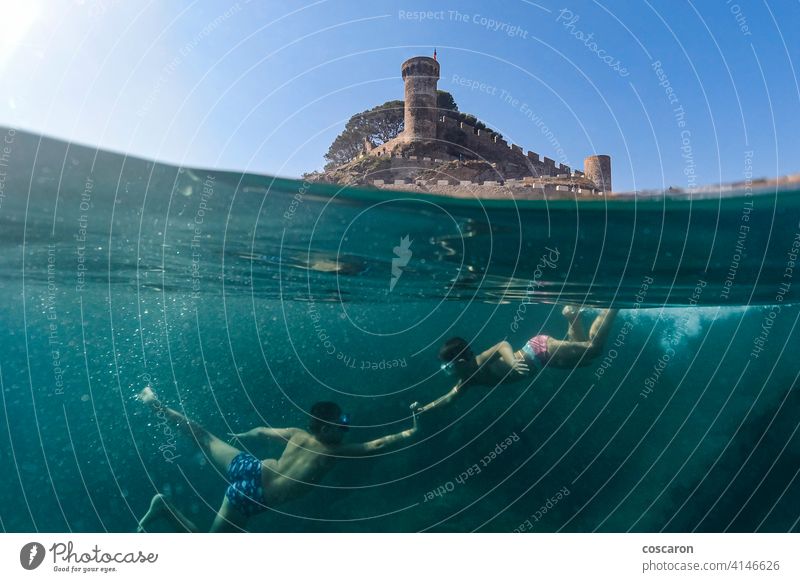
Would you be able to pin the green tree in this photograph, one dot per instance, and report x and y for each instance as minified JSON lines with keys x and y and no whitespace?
{"x":378,"y":125}
{"x":444,"y":100}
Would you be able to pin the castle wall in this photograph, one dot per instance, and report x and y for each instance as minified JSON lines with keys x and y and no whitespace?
{"x":485,"y":144}
{"x":474,"y":143}
{"x":510,"y":189}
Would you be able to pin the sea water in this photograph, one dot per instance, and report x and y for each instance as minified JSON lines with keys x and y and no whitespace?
{"x":243,"y":299}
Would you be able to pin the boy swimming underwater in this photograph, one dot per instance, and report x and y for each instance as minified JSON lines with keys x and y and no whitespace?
{"x":257,"y":485}
{"x":500,"y":364}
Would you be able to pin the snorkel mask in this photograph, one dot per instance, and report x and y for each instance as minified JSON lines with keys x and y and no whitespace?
{"x":344,"y":421}
{"x":448,"y":368}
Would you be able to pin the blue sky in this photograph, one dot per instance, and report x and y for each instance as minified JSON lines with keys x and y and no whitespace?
{"x":678,"y":93}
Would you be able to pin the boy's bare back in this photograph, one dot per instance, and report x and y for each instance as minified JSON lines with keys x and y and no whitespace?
{"x":303,"y":463}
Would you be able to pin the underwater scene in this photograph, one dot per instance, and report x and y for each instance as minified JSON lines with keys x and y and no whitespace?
{"x":242,"y":300}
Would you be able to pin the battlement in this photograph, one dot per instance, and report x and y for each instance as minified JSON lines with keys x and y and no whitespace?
{"x":512,"y":186}
{"x":381,"y":153}
{"x":487,"y":144}
{"x":420,"y":67}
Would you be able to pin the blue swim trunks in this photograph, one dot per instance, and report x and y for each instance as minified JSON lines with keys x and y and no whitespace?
{"x":245,"y":492}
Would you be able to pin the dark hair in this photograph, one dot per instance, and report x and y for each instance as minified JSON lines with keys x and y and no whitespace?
{"x":453,"y":349}
{"x":324,"y":413}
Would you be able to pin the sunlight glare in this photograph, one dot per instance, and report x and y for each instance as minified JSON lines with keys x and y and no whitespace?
{"x":18,"y":17}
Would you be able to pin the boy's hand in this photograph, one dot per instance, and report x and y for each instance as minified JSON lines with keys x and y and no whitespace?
{"x":415,"y":408}
{"x":238,"y":436}
{"x":520,"y":367}
{"x":147,"y":396}
{"x":233,"y":436}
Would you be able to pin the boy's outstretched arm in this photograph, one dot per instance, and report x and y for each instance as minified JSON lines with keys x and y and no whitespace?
{"x":444,"y":400}
{"x":378,"y":445}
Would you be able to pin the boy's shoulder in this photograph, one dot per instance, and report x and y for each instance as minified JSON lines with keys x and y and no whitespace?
{"x":301,"y":434}
{"x":306,"y":440}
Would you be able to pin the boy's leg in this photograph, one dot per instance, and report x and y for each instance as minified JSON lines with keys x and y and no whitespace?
{"x":575,"y":331}
{"x":569,"y":354}
{"x":220,"y":452}
{"x":228,"y":519}
{"x":601,"y":327}
{"x":161,"y":508}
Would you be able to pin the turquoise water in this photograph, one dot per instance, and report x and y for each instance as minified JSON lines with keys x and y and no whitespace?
{"x":244,"y":299}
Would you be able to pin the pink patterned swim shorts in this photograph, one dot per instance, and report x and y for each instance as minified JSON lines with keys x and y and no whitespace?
{"x":536,"y":349}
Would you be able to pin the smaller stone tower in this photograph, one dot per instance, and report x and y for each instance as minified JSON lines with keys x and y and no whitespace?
{"x":420,"y":75}
{"x":598,"y":170}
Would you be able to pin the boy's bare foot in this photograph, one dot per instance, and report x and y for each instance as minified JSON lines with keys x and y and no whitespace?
{"x":158,"y":506}
{"x":147,"y":396}
{"x":571,"y":312}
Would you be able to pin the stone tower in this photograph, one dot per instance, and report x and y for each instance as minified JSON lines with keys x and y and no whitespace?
{"x":420,"y":75}
{"x":598,"y":170}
